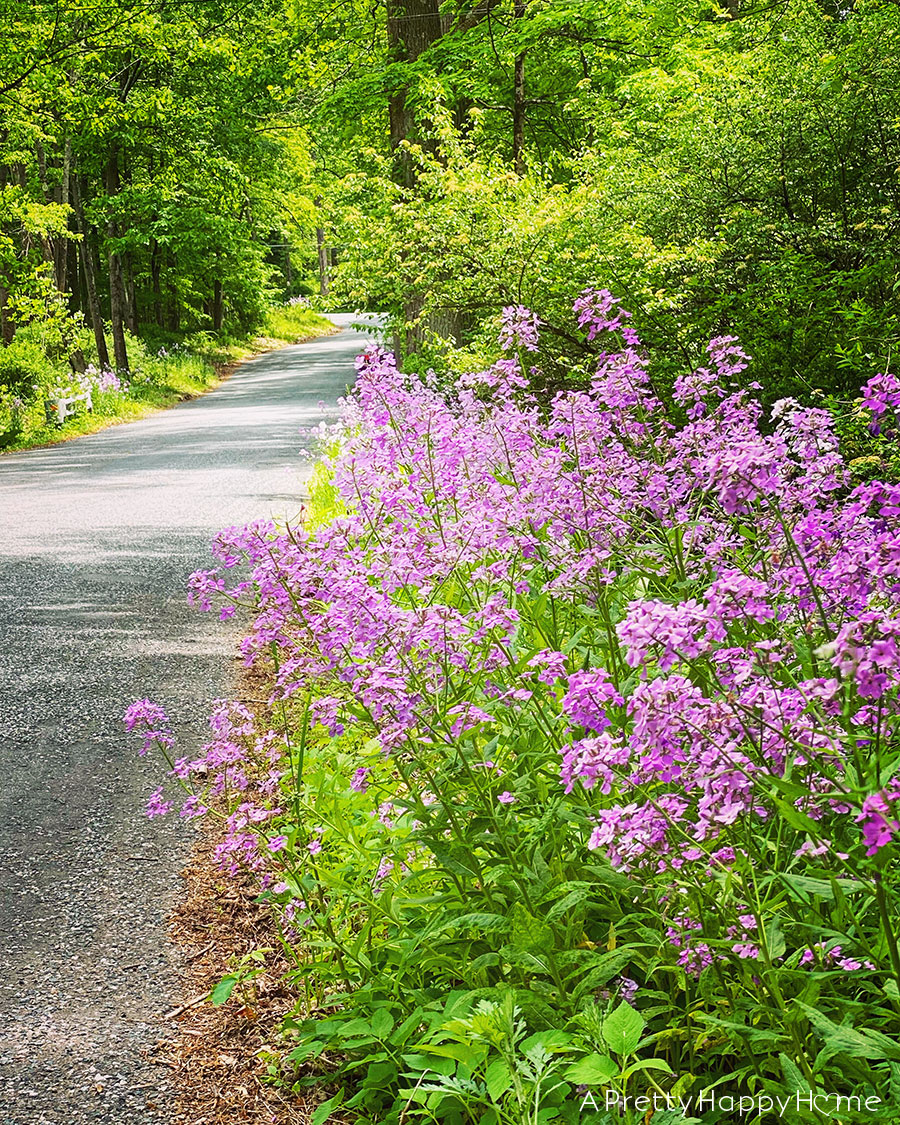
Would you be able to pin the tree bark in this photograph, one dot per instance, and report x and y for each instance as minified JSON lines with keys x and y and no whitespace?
{"x":131,"y":313}
{"x":61,"y":247}
{"x":154,"y":281}
{"x":217,"y":306}
{"x":116,"y":282}
{"x":413,"y":26}
{"x":7,"y":326}
{"x":90,"y":277}
{"x":519,"y":105}
{"x":324,"y":278}
{"x":322,"y":250}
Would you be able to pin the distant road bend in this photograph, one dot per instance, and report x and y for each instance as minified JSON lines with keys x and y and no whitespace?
{"x":97,"y":538}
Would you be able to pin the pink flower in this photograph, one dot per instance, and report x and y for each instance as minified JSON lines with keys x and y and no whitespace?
{"x":877,"y":819}
{"x":157,"y":806}
{"x":359,"y":782}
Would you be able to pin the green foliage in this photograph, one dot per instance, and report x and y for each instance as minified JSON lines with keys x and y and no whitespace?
{"x":165,"y":371}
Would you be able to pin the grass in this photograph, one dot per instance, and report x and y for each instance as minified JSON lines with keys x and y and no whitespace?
{"x":163,"y":378}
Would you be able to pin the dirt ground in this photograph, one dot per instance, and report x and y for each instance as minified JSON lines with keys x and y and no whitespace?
{"x":214,"y":1051}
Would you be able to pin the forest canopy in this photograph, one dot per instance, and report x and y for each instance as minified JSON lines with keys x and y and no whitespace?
{"x":168,"y":167}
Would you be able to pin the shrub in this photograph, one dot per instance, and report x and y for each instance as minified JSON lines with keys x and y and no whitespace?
{"x":584,"y":748}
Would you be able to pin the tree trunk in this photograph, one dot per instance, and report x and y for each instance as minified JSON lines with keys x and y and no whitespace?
{"x":154,"y":281}
{"x":90,"y":277}
{"x":413,"y":26}
{"x":61,"y":248}
{"x":116,"y":282}
{"x":46,"y":245}
{"x":131,"y":313}
{"x":173,"y":318}
{"x":7,"y":327}
{"x":519,"y":105}
{"x":217,"y":306}
{"x":324,"y":280}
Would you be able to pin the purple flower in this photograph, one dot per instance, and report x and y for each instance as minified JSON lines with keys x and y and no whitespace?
{"x":157,"y":806}
{"x":153,"y":722}
{"x":587,"y":695}
{"x":878,"y":822}
{"x":359,"y":782}
{"x":506,"y":798}
{"x":519,"y":328}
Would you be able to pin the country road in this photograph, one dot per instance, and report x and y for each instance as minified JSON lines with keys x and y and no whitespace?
{"x":97,"y":537}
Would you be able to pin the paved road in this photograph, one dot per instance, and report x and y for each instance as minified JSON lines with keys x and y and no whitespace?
{"x":97,"y":537}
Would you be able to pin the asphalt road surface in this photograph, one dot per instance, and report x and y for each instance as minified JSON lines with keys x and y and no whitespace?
{"x":97,"y":538}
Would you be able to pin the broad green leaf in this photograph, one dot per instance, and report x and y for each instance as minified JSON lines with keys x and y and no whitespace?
{"x":498,"y":1078}
{"x":594,"y":1069}
{"x":223,"y":989}
{"x":382,"y":1023}
{"x":622,"y":1029}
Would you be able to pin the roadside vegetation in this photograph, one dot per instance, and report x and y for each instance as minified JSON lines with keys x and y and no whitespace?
{"x":579,"y":774}
{"x":37,"y":375}
{"x":579,"y":770}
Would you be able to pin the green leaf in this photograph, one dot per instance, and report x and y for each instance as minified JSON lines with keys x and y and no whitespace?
{"x":484,"y":923}
{"x":793,"y":1079}
{"x":529,"y":933}
{"x":622,"y":1030}
{"x":223,"y":989}
{"x":775,"y":939}
{"x":592,"y":1070}
{"x":551,"y":1040}
{"x":846,"y":1040}
{"x":380,"y":1073}
{"x":469,"y":1054}
{"x":323,"y":1112}
{"x":382,"y":1024}
{"x":647,"y":1064}
{"x":498,"y":1078}
{"x":604,"y":968}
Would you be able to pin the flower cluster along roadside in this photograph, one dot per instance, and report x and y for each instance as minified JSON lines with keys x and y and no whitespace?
{"x":579,"y":770}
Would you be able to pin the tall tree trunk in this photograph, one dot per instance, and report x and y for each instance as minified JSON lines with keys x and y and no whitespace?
{"x":174,"y":312}
{"x":324,"y":279}
{"x":116,"y":283}
{"x":131,"y":313}
{"x":88,"y":272}
{"x":322,"y":250}
{"x":519,"y":105}
{"x":61,"y":247}
{"x":46,"y":246}
{"x":413,"y":26}
{"x":7,"y":326}
{"x":217,"y":306}
{"x":155,"y":283}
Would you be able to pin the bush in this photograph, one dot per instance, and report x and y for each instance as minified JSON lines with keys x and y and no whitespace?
{"x":23,"y":368}
{"x":584,"y":748}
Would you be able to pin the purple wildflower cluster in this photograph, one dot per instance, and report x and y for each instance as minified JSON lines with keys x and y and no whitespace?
{"x":518,"y":329}
{"x":691,"y":606}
